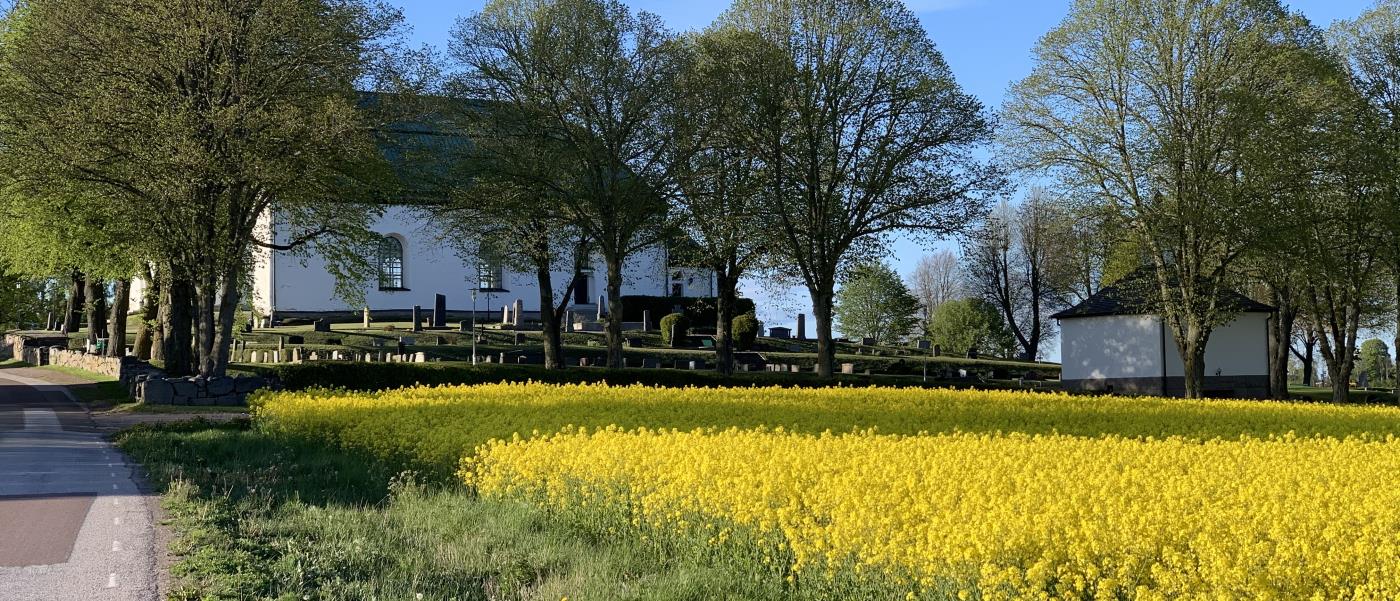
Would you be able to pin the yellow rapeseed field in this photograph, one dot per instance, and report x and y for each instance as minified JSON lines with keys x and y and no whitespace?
{"x":973,"y":494}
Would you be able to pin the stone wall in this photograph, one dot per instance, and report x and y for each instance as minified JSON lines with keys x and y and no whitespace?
{"x":228,"y":392}
{"x":107,"y":366}
{"x":30,"y":347}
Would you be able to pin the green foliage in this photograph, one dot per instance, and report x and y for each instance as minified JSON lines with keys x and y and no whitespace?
{"x":965,"y":323}
{"x":745,"y":330}
{"x":874,"y":302}
{"x":701,"y":310}
{"x":1375,"y":362}
{"x":677,"y":323}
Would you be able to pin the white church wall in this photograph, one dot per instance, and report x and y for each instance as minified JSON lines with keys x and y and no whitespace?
{"x":432,"y":266}
{"x":1110,"y":346}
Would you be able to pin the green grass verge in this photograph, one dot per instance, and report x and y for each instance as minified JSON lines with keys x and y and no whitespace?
{"x":259,"y":516}
{"x":78,"y":373}
{"x":1321,"y":393}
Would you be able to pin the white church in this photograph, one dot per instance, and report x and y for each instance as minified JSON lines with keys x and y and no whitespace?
{"x":1112,"y":342}
{"x":414,"y":266}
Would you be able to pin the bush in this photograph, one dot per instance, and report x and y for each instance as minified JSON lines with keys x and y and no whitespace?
{"x":744,"y":329}
{"x":675,"y":322}
{"x":700,"y":310}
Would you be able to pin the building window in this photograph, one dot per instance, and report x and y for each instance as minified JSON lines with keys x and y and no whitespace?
{"x":490,"y":275}
{"x":391,"y":263}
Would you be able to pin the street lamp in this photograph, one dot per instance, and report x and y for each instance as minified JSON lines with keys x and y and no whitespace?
{"x":488,"y":282}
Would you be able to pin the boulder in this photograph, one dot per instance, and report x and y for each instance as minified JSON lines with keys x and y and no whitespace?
{"x":157,"y":391}
{"x":220,"y":386}
{"x":184,"y":388}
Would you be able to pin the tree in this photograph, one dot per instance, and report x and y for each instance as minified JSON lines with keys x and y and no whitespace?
{"x":1137,"y":104}
{"x":873,"y":302}
{"x":937,"y":279}
{"x":718,"y":184}
{"x":1305,"y":336}
{"x":1012,"y":262}
{"x":1374,"y":361}
{"x":968,"y":323}
{"x":600,"y":79}
{"x":1371,"y":46}
{"x":862,"y":131}
{"x":190,"y":123}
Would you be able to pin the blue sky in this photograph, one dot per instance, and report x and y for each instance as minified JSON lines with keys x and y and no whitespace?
{"x":987,"y":44}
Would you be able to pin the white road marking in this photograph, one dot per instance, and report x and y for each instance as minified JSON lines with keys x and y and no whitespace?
{"x":112,"y":580}
{"x":116,"y":546}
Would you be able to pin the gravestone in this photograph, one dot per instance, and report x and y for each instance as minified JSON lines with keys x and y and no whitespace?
{"x":464,"y":326}
{"x":407,"y":341}
{"x":417,"y":318}
{"x":420,"y":357}
{"x":848,"y":368}
{"x":937,"y":350}
{"x":646,"y":320}
{"x":505,"y":314}
{"x":321,"y":325}
{"x":365,"y":324}
{"x":248,"y":327}
{"x":780,"y":333}
{"x":801,"y":326}
{"x":867,"y":341}
{"x":601,"y":300}
{"x":439,"y":311}
{"x":519,"y":338}
{"x":972,"y":353}
{"x":515,"y":312}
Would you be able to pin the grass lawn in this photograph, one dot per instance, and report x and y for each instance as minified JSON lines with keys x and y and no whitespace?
{"x":100,"y":389}
{"x":1323,"y":393}
{"x":261,"y":516}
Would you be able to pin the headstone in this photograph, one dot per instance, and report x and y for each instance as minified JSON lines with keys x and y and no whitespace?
{"x":848,"y":368}
{"x":801,"y":326}
{"x":417,"y":318}
{"x":464,"y":326}
{"x":972,"y":353}
{"x":247,"y":327}
{"x":439,"y":311}
{"x":515,"y":312}
{"x":923,"y":345}
{"x":321,"y":325}
{"x":420,"y":357}
{"x":646,"y":320}
{"x":601,"y":303}
{"x":365,"y":324}
{"x":867,"y":341}
{"x":505,"y":314}
{"x":583,"y":361}
{"x":780,"y":332}
{"x":519,"y":338}
{"x":796,"y":369}
{"x":937,"y":350}
{"x":503,"y":358}
{"x":281,"y":343}
{"x":407,"y":341}
{"x":649,"y":362}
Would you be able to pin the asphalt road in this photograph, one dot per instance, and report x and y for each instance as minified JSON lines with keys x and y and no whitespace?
{"x":73,"y":523}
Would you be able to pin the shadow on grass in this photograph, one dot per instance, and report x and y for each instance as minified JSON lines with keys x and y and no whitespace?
{"x":262,"y":516}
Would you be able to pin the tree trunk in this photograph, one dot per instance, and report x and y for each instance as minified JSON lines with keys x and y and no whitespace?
{"x":724,"y":330}
{"x":116,"y":327}
{"x":549,"y":319}
{"x":150,"y":312}
{"x":1396,"y":346}
{"x":74,"y":315}
{"x":223,"y":333}
{"x":95,"y":305}
{"x":614,"y":312}
{"x":1191,"y":344}
{"x":206,"y":325}
{"x":1280,"y":342}
{"x":1339,"y":371}
{"x":823,"y":300}
{"x":176,"y":348}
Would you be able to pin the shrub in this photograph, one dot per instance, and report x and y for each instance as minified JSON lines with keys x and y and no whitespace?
{"x":744,"y":329}
{"x":675,"y":322}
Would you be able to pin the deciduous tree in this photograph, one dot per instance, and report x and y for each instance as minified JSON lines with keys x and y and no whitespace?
{"x":863,"y":132}
{"x":873,"y":302}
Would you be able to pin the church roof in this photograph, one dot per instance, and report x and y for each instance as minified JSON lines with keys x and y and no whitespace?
{"x":1136,"y":294}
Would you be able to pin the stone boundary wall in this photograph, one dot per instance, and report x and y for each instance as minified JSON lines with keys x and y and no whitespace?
{"x":224,"y":392}
{"x":32,"y":348}
{"x":107,"y":366}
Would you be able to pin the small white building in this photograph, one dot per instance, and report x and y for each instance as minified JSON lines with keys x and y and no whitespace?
{"x":1109,"y":343}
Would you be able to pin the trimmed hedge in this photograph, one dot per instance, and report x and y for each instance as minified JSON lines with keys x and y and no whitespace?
{"x":677,"y":322}
{"x":385,"y":376}
{"x":700,"y":309}
{"x":744,"y":329}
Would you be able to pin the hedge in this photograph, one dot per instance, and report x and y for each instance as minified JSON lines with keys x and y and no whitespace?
{"x":382,"y":376}
{"x":700,"y":309}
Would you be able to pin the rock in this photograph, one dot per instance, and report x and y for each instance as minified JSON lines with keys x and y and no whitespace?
{"x":220,"y":386}
{"x":157,"y":391}
{"x":184,"y":388}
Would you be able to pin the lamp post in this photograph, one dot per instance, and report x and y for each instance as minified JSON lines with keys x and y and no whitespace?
{"x":473,"y":326}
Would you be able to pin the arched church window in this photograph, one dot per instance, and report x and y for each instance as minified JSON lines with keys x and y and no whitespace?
{"x":390,"y":263}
